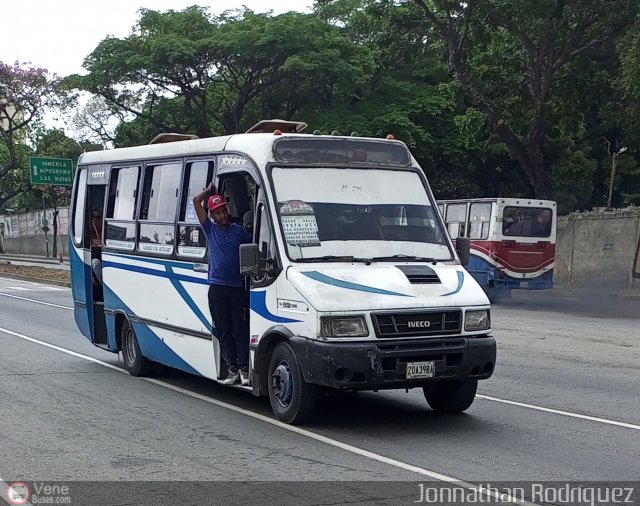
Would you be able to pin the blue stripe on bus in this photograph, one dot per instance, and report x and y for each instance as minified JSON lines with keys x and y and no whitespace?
{"x":460,"y":283}
{"x":187,"y":298}
{"x":151,"y":345}
{"x":155,"y":272}
{"x":323,"y":278}
{"x":259,"y":305}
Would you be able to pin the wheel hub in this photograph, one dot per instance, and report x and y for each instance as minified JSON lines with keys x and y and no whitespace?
{"x":282,"y":384}
{"x":130,"y":346}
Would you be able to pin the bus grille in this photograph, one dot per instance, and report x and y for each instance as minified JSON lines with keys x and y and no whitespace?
{"x":417,"y":324}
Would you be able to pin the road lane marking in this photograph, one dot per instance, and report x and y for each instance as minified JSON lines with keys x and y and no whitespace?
{"x":489,"y":492}
{"x":560,"y":412}
{"x":35,"y":301}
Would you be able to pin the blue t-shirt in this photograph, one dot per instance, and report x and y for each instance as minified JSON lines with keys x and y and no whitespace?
{"x":224,"y":252}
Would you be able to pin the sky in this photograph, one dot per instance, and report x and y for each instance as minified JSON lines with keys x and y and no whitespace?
{"x":58,"y":34}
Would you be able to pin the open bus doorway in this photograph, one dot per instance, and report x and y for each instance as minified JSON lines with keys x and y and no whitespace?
{"x":94,"y":241}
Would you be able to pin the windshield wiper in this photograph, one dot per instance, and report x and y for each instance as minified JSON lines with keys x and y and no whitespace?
{"x":337,"y":258}
{"x":411,"y":258}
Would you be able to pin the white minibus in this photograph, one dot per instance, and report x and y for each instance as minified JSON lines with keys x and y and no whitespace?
{"x":353,"y":282}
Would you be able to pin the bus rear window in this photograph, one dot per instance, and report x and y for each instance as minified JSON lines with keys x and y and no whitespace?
{"x":339,"y":150}
{"x":527,"y":221}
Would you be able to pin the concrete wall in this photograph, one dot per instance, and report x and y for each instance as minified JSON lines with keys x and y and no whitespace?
{"x":598,"y":248}
{"x":24,"y":234}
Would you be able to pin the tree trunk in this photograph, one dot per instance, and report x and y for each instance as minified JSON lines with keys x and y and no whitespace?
{"x":55,"y":233}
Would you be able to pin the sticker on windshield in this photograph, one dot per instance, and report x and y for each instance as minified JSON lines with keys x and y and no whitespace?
{"x":299,"y":223}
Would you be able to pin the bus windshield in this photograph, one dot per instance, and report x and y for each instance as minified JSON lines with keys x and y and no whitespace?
{"x":343,"y":214}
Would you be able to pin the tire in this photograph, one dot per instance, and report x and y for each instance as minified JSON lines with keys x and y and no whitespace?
{"x":451,"y":396}
{"x":292,"y":399}
{"x":134,"y":361}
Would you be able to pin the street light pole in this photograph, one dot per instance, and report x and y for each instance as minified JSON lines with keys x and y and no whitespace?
{"x":614,"y":163}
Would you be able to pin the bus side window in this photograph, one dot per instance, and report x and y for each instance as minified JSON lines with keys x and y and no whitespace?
{"x":158,"y":209}
{"x":265,"y":236}
{"x":479,"y":220}
{"x":191,"y":240}
{"x":121,"y":204}
{"x":456,"y":220}
{"x":266,"y":247}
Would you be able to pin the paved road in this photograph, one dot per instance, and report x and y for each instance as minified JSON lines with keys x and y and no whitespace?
{"x":63,"y":417}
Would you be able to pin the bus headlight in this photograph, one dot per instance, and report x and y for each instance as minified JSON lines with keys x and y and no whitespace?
{"x":343,"y":326}
{"x":477,"y":320}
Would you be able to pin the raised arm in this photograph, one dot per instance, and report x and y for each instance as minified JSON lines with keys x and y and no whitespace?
{"x":201,"y":210}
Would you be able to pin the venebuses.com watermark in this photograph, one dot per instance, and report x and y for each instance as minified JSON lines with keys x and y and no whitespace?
{"x":21,"y":493}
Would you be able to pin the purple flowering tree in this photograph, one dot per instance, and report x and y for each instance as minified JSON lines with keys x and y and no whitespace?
{"x":26,"y":92}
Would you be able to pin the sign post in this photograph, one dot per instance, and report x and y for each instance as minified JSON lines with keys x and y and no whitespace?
{"x":51,"y":171}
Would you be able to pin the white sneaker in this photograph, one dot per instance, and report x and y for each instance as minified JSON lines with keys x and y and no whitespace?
{"x":233,"y":377}
{"x":244,"y":376}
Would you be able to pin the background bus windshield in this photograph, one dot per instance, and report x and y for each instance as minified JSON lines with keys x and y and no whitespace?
{"x":356,"y":213}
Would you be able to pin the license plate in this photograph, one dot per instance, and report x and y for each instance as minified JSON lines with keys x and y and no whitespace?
{"x":417,"y":370}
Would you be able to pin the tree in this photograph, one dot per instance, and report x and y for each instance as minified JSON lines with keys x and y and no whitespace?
{"x":190,"y":72}
{"x":94,"y":122}
{"x":25,"y":93}
{"x":508,"y":54}
{"x":167,"y":55}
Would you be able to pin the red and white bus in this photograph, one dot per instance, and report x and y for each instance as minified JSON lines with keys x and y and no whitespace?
{"x":513,"y":241}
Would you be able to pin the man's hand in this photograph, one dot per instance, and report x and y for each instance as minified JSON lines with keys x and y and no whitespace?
{"x":211,"y":189}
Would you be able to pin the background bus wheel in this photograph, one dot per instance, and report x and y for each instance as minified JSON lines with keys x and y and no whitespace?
{"x":451,"y":396}
{"x":292,"y":399}
{"x":136,"y":364}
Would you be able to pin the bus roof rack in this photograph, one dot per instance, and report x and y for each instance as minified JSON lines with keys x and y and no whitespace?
{"x":271,"y":125}
{"x":171,"y":137}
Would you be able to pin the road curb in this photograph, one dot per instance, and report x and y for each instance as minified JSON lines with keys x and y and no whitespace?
{"x":35,"y":280}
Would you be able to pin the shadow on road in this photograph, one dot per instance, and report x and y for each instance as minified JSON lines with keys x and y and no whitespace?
{"x":364,"y":412}
{"x":598,"y":301}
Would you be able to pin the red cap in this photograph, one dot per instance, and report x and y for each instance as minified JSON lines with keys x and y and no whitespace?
{"x":216,"y":201}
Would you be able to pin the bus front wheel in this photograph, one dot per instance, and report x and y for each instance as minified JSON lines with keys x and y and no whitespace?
{"x":451,"y":396}
{"x":292,"y":399}
{"x":134,"y":361}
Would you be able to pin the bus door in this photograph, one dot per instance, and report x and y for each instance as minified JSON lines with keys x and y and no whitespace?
{"x":88,"y":291}
{"x":238,"y":184}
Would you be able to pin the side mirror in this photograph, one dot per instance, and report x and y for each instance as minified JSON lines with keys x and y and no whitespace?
{"x":463,"y":249}
{"x":249,"y":259}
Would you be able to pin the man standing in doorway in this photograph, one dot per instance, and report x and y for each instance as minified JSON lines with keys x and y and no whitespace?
{"x":227,"y":298}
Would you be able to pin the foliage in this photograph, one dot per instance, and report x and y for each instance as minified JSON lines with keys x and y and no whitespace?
{"x":509,"y":56}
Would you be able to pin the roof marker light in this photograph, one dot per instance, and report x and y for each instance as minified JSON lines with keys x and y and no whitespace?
{"x":317,"y":132}
{"x":277,"y":132}
{"x":391,"y":137}
{"x":355,"y":134}
{"x":335,"y":132}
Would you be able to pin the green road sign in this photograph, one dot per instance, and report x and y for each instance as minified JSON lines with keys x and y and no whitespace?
{"x":52,"y":171}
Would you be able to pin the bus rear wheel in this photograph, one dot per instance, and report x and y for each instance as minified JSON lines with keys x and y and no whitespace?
{"x":134,"y":361}
{"x":451,"y":396}
{"x":292,"y":399}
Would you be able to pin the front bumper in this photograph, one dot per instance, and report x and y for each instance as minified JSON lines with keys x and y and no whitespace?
{"x":382,"y":364}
